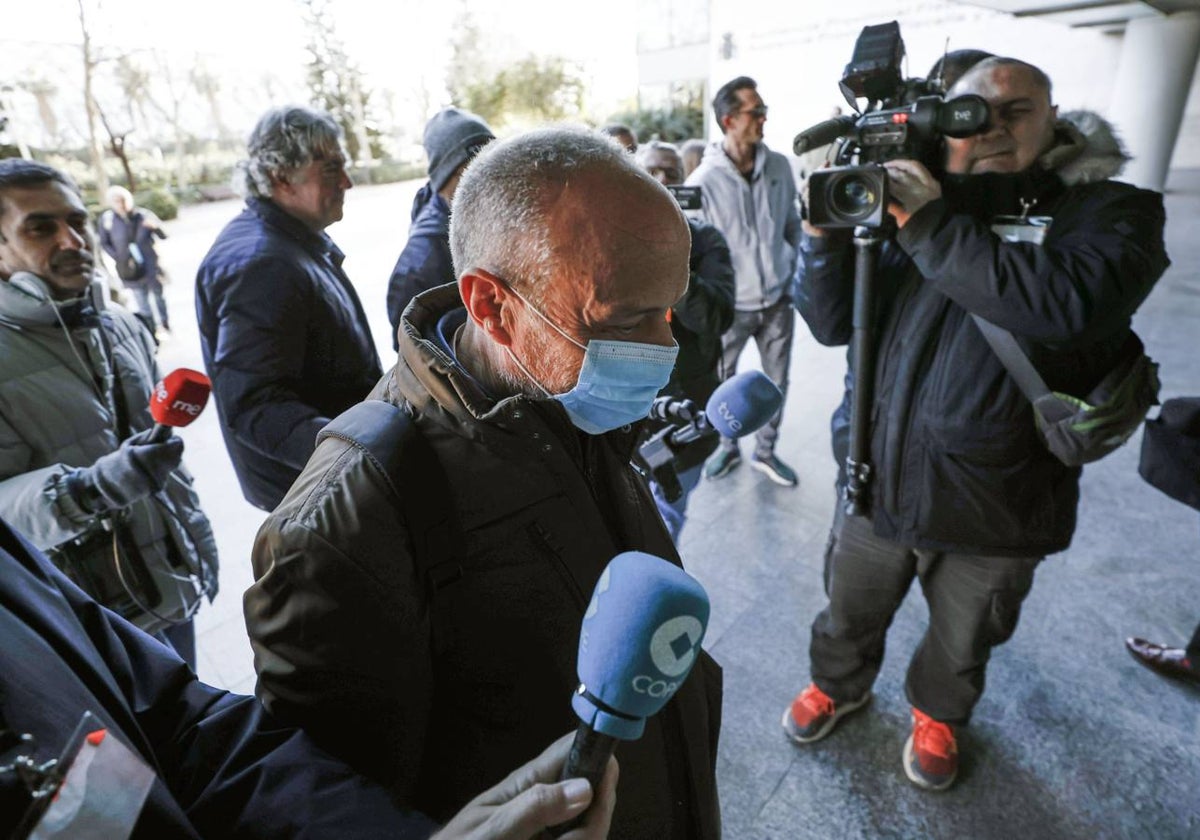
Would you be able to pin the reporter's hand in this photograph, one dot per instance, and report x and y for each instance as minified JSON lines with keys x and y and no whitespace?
{"x":911,"y":186}
{"x":132,"y":472}
{"x":810,"y":229}
{"x":530,"y":800}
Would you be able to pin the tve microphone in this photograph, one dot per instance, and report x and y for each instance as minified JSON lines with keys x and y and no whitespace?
{"x":741,"y":404}
{"x":641,"y":635}
{"x":178,"y":400}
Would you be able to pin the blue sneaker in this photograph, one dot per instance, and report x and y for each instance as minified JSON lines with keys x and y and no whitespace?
{"x":722,"y":463}
{"x":774,"y":469}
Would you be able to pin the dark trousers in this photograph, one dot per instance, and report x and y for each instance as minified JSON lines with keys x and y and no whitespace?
{"x":772,"y":330}
{"x":147,"y":290}
{"x":974,"y":603}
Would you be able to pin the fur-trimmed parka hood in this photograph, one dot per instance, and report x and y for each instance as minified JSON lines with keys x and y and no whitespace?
{"x":1086,"y":149}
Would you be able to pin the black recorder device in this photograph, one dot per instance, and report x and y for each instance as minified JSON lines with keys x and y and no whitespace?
{"x":688,"y":197}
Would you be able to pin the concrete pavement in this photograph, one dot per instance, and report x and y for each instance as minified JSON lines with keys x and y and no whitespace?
{"x":1072,"y":739}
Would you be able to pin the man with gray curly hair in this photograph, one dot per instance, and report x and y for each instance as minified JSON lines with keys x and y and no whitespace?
{"x":420,"y":590}
{"x":284,"y":336}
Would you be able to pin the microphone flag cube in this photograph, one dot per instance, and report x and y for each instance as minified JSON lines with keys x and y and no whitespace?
{"x":180,"y":397}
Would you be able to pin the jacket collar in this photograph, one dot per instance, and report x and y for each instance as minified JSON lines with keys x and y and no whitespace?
{"x":433,"y":382}
{"x":28,"y":303}
{"x":275,"y":216}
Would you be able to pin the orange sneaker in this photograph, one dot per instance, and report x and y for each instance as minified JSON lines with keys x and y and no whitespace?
{"x":931,"y":753}
{"x":813,"y":714}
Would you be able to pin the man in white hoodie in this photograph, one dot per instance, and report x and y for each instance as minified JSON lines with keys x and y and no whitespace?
{"x":749,"y":194}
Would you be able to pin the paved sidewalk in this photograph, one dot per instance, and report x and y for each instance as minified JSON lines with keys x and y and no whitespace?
{"x":1072,"y":739}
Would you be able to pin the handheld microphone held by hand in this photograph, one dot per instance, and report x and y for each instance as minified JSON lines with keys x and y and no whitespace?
{"x":177,"y":400}
{"x":740,"y":405}
{"x":641,"y":635}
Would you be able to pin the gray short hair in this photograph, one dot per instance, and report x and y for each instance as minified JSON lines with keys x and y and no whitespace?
{"x":499,"y":222}
{"x":650,"y":146}
{"x":284,"y":140}
{"x":991,"y":63}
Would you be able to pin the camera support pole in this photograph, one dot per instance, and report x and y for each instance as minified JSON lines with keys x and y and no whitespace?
{"x":867,"y":241}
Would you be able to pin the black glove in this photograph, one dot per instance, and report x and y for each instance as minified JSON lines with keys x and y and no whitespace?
{"x":133,"y":472}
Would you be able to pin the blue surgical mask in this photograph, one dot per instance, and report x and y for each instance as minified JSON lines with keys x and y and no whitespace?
{"x":617,"y":383}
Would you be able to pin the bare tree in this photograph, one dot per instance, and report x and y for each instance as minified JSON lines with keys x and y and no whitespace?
{"x":6,"y":121}
{"x":209,"y":86}
{"x":116,"y":142}
{"x":43,"y":92}
{"x":173,"y":114}
{"x":134,"y":81}
{"x":335,"y":81}
{"x":89,"y":102}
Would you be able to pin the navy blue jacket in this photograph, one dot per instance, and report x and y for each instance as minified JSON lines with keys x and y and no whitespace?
{"x":117,"y":233}
{"x":425,"y":261}
{"x":958,"y":465}
{"x":285,"y":341}
{"x":225,"y":768}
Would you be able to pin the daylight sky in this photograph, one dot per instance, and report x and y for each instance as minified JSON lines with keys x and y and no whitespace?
{"x":396,"y":41}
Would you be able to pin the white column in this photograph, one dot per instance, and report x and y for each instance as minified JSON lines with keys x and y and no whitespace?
{"x":1158,"y":61}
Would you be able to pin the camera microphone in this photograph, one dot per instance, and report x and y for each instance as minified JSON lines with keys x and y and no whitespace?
{"x":641,"y":635}
{"x":822,"y":134}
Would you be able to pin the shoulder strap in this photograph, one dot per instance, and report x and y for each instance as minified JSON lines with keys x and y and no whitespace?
{"x":1006,"y":348}
{"x":388,"y":437}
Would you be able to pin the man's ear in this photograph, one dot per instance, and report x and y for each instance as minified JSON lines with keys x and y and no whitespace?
{"x":489,"y":303}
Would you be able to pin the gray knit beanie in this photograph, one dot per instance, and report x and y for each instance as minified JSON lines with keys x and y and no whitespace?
{"x":452,"y":138}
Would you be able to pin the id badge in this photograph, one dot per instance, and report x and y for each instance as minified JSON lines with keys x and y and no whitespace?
{"x":1022,"y":228}
{"x":104,"y":786}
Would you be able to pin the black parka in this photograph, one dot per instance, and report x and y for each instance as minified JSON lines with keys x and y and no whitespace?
{"x":958,"y":465}
{"x":439,"y":670}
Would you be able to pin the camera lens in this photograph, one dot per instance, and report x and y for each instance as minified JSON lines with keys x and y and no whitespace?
{"x":853,"y":196}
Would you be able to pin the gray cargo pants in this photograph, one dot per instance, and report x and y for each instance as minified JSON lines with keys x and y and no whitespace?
{"x":974,"y":603}
{"x":772,"y":330}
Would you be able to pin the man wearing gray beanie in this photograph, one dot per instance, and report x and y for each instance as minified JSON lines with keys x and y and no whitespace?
{"x":452,"y":138}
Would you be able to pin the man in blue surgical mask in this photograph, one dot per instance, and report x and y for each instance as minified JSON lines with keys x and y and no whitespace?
{"x":421,"y":587}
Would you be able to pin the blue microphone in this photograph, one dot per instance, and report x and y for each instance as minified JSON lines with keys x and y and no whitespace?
{"x":741,"y":404}
{"x":641,"y":635}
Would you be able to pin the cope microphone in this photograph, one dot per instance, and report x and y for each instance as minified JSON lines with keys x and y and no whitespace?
{"x":177,"y":400}
{"x":641,"y":635}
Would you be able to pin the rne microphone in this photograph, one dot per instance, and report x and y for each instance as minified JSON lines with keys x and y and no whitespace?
{"x":641,"y":635}
{"x":177,"y":400}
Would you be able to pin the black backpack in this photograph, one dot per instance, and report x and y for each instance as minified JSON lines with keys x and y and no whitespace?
{"x":386,"y":435}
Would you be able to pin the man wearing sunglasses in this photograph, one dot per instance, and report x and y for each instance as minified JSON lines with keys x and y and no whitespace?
{"x":750,"y":197}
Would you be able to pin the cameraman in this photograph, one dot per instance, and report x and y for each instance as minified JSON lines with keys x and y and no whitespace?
{"x":697,"y":322}
{"x":963,"y":494}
